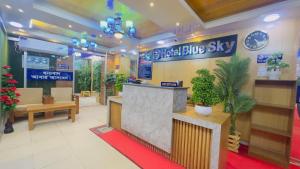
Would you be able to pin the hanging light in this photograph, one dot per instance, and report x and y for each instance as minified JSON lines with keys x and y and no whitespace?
{"x":118,"y":35}
{"x":113,"y":26}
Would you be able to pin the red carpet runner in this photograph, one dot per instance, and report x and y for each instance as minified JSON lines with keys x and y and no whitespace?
{"x":147,"y":159}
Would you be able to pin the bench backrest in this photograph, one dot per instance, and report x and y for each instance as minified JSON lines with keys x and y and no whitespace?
{"x":30,"y":96}
{"x":62,"y":94}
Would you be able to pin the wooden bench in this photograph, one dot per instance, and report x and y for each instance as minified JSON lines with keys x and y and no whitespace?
{"x":50,"y":107}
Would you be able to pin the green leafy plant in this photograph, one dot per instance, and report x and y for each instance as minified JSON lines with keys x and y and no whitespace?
{"x":110,"y":79}
{"x":232,"y":76}
{"x":120,"y":80}
{"x":97,"y":76}
{"x":275,"y":63}
{"x":204,"y":92}
{"x":83,"y":76}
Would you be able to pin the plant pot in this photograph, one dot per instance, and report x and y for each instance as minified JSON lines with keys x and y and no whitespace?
{"x":234,"y":142}
{"x":203,"y":110}
{"x":8,"y":127}
{"x":274,"y":74}
{"x":120,"y":94}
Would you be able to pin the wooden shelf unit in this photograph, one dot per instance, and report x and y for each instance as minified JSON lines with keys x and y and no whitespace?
{"x":271,"y":120}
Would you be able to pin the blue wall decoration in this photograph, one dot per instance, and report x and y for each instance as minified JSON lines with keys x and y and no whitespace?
{"x":262,"y":58}
{"x":210,"y":48}
{"x":47,"y":75}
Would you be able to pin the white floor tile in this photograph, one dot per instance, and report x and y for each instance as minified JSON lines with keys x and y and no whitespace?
{"x":60,"y":144}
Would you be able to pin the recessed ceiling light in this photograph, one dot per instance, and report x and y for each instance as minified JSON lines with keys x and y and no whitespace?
{"x":160,"y":42}
{"x":151,"y":4}
{"x":134,"y":52}
{"x":22,"y":30}
{"x":70,"y":26}
{"x":177,"y":24}
{"x":30,"y":23}
{"x":123,"y":50}
{"x":271,"y":18}
{"x":21,"y":10}
{"x":100,"y":35}
{"x":85,"y":49}
{"x":16,"y":24}
{"x":14,"y":32}
{"x":8,"y":6}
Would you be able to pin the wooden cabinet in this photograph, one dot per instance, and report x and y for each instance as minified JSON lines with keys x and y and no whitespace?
{"x":271,"y":120}
{"x":115,"y":115}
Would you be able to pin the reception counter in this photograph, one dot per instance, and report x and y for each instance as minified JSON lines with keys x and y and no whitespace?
{"x":160,"y":117}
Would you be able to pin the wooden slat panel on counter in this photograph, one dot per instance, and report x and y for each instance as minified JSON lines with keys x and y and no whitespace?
{"x":191,"y":145}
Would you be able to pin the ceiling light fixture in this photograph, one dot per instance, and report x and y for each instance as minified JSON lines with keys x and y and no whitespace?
{"x":151,"y":4}
{"x":70,"y":26}
{"x":21,"y":10}
{"x":113,"y":26}
{"x":123,"y":50}
{"x":271,"y":18}
{"x":118,"y":35}
{"x":22,"y":30}
{"x":100,"y":36}
{"x":160,"y":42}
{"x":8,"y":6}
{"x":16,"y":24}
{"x":84,"y":49}
{"x":177,"y":24}
{"x":30,"y":23}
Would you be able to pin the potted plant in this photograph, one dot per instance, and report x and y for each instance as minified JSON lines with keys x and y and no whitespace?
{"x":110,"y":81}
{"x":120,"y":80}
{"x":275,"y":65}
{"x":204,"y":93}
{"x":232,"y":76}
{"x":8,"y":97}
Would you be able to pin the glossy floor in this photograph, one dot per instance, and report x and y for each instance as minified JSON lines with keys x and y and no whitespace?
{"x":60,"y":144}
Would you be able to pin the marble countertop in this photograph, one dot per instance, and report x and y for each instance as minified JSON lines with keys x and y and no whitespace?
{"x":154,"y":86}
{"x":117,"y":99}
{"x":190,"y":116}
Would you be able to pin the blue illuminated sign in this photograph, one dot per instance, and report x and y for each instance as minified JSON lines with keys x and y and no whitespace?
{"x":47,"y":75}
{"x":210,"y":48}
{"x":217,"y":47}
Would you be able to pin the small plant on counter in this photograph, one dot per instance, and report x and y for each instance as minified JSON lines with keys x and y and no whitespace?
{"x":204,"y":93}
{"x":275,"y":65}
{"x":232,"y":76}
{"x":120,"y":80}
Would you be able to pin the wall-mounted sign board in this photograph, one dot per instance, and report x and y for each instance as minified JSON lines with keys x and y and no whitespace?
{"x":210,"y":48}
{"x":37,"y":62}
{"x":47,"y":75}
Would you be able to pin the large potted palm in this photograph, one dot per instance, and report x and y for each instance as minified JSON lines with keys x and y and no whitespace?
{"x":231,"y":77}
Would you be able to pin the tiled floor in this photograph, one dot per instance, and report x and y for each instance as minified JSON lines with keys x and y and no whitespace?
{"x":60,"y":144}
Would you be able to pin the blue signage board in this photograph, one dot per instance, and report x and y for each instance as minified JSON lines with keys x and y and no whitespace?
{"x":262,"y":58}
{"x":47,"y":75}
{"x":145,"y":69}
{"x":210,"y":48}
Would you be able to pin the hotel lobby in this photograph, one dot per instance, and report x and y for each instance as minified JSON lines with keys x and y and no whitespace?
{"x":150,"y":84}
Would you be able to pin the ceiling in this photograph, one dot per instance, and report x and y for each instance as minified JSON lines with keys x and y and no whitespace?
{"x":216,"y":9}
{"x":169,"y":20}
